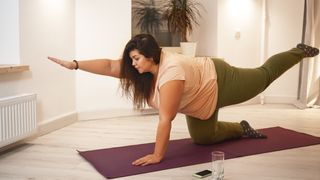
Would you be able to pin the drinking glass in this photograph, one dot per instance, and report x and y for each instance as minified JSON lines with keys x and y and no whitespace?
{"x":217,"y":165}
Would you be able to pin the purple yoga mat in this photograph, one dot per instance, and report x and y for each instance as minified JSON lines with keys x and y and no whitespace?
{"x":116,"y":162}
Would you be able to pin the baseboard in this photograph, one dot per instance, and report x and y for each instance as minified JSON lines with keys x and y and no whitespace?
{"x":255,"y":100}
{"x":113,"y":113}
{"x":58,"y":122}
{"x":279,"y":99}
{"x":263,"y":99}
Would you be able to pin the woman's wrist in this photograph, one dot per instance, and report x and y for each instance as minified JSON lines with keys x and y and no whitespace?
{"x":76,"y":67}
{"x":159,"y":155}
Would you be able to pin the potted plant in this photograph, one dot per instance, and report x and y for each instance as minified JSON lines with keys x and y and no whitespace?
{"x":182,"y":15}
{"x":149,"y":17}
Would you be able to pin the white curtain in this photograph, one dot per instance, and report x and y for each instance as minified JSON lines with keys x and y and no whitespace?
{"x":309,"y":87}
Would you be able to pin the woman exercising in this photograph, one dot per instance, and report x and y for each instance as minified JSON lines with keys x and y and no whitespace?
{"x":197,"y":87}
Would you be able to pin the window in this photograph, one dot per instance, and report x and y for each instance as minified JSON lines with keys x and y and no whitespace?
{"x":9,"y":32}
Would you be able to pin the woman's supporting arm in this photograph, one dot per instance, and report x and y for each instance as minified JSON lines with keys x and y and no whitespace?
{"x":105,"y":67}
{"x":170,"y":96}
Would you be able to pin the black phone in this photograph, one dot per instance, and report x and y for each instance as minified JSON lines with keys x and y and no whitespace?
{"x":202,"y":174}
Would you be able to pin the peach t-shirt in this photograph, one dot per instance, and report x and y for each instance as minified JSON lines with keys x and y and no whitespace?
{"x":200,"y":93}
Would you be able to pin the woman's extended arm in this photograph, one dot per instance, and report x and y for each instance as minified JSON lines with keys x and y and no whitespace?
{"x":97,"y":66}
{"x":170,"y":96}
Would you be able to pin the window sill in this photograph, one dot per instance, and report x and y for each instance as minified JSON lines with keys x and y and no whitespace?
{"x":6,"y":69}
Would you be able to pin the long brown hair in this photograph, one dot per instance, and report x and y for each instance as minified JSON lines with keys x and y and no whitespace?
{"x":135,"y":85}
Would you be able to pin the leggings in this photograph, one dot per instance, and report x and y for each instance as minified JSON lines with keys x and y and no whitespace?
{"x":236,"y":85}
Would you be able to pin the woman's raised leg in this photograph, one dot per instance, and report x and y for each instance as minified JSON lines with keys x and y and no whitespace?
{"x":236,"y":85}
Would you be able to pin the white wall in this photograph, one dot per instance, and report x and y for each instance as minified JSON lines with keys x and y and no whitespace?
{"x":285,"y":31}
{"x":46,"y":29}
{"x":244,"y":17}
{"x":102,"y":30}
{"x":206,"y":35}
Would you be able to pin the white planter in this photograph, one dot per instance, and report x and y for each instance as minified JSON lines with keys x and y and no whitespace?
{"x":188,"y":48}
{"x":172,"y":49}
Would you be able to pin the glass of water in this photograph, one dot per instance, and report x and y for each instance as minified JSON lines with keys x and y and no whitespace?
{"x":217,"y":165}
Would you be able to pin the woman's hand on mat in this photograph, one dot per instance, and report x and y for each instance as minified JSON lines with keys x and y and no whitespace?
{"x":67,"y":64}
{"x":148,"y":159}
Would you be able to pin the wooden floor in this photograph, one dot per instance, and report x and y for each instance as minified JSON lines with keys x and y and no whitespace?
{"x":54,"y":156}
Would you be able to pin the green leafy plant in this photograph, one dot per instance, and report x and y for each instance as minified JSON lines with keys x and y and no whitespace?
{"x":150,"y":17}
{"x":182,"y":15}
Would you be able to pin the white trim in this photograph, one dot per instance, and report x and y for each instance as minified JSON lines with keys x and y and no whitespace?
{"x":58,"y":122}
{"x":271,"y":100}
{"x":280,"y":99}
{"x":113,"y":113}
{"x":255,"y":100}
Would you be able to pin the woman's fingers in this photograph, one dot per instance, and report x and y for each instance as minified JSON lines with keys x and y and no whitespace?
{"x":54,"y":59}
{"x":139,"y":161}
{"x":63,"y":63}
{"x":146,"y":160}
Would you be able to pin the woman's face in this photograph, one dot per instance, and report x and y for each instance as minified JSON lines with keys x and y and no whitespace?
{"x":140,"y":62}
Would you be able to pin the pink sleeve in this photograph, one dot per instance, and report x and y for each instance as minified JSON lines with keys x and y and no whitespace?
{"x":171,"y":73}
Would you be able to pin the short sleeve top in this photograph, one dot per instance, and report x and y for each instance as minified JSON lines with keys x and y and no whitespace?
{"x":200,"y":92}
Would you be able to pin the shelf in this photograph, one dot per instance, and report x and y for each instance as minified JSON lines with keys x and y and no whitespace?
{"x":6,"y":69}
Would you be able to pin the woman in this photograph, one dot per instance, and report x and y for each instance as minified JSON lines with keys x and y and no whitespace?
{"x":197,"y":87}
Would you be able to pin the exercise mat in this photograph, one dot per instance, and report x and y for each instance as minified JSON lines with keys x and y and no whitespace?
{"x":116,"y":162}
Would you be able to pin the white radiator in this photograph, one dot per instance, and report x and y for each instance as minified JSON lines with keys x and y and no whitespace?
{"x":17,"y":118}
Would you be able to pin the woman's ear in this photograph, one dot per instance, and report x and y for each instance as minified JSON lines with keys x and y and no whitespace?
{"x":151,"y":59}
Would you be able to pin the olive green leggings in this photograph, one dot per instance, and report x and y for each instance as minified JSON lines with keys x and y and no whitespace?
{"x":236,"y":85}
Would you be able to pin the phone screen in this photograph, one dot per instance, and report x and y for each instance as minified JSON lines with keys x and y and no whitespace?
{"x":202,"y":174}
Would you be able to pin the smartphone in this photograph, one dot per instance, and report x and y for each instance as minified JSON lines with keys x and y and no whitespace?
{"x":202,"y":174}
